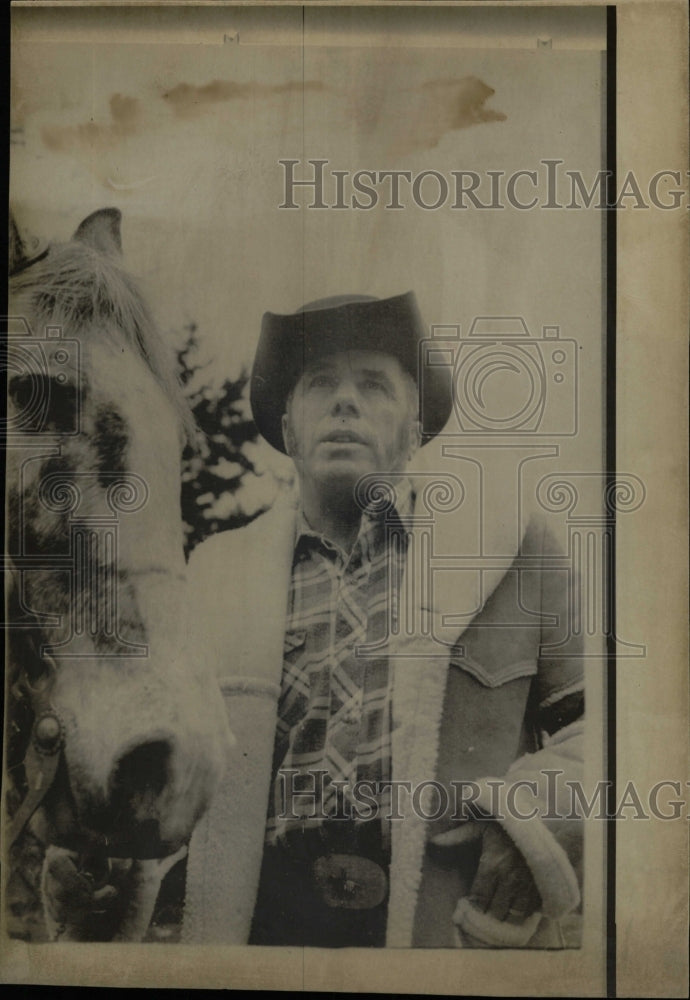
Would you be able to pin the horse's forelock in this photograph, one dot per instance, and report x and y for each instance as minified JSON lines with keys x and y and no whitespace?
{"x":77,"y":288}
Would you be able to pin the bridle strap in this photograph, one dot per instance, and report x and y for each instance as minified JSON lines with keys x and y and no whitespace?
{"x":40,"y":771}
{"x":41,"y":763}
{"x":25,"y":264}
{"x":45,"y":748}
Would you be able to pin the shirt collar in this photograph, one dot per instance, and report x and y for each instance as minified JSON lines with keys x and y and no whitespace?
{"x":401,"y":510}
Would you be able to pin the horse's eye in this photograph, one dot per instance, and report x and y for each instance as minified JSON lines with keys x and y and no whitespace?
{"x":26,"y":392}
{"x":44,"y":403}
{"x":38,"y":672}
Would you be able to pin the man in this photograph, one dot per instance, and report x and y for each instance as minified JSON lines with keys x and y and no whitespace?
{"x":320,"y":834}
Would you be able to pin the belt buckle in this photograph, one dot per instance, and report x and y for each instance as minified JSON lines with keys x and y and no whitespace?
{"x":349,"y":881}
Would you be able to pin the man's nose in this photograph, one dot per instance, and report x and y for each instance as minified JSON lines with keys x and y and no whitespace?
{"x":346,"y":399}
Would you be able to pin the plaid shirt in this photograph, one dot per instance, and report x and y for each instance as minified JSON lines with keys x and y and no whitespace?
{"x":334,"y":710}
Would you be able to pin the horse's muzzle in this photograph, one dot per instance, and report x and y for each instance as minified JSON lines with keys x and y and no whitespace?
{"x":154,"y":797}
{"x":111,"y":830}
{"x":144,"y":749}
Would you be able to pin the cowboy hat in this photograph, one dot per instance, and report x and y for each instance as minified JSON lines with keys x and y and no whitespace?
{"x":289,"y":343}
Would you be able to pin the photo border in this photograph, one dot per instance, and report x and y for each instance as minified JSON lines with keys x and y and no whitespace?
{"x":616,"y":950}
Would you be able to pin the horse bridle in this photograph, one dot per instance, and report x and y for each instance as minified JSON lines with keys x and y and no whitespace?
{"x":41,"y":763}
{"x":26,"y":262}
{"x":45,"y":746}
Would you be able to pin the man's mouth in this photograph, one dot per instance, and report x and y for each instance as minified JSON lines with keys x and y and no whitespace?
{"x":343,"y":437}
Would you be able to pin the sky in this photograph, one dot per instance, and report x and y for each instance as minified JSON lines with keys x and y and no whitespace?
{"x":186,"y":139}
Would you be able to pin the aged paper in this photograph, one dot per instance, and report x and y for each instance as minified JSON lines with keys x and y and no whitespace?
{"x":265,"y":156}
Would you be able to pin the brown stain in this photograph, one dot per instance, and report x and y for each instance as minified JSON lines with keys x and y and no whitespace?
{"x":443,"y":106}
{"x":124,"y":112}
{"x":188,"y":99}
{"x":464,"y":101}
{"x":125,"y":120}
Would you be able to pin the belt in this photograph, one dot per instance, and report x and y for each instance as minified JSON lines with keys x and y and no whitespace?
{"x":349,"y":881}
{"x":343,"y":863}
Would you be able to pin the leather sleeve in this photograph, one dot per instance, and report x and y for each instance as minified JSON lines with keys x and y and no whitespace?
{"x":560,"y":678}
{"x":552,"y":841}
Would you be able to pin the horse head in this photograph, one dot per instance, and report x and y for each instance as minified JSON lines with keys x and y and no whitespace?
{"x":128,"y":734}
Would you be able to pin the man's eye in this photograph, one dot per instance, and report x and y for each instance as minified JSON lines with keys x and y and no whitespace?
{"x":321,"y":382}
{"x":374,"y":383}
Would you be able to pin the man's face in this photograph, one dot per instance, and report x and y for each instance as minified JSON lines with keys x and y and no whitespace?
{"x":351,"y":413}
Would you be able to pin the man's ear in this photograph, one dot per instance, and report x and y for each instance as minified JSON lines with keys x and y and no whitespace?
{"x":415,"y":439}
{"x":287,"y":442}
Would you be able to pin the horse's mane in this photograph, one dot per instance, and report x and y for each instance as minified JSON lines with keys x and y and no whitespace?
{"x":77,"y":287}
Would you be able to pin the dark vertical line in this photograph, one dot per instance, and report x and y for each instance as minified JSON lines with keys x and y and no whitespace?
{"x":610,"y":471}
{"x":4,"y":257}
{"x":6,"y":136}
{"x":4,"y":251}
{"x":304,"y":209}
{"x":303,"y":297}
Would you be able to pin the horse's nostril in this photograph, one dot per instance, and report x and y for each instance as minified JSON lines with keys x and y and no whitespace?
{"x":143,"y":772}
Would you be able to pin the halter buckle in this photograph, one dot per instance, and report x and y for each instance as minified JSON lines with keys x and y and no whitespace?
{"x":48,"y":733}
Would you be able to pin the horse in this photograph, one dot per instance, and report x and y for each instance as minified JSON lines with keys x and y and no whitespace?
{"x":117,"y":735}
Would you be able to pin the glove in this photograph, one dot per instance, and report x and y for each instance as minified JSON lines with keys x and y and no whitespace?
{"x":503,"y":886}
{"x":502,"y":906}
